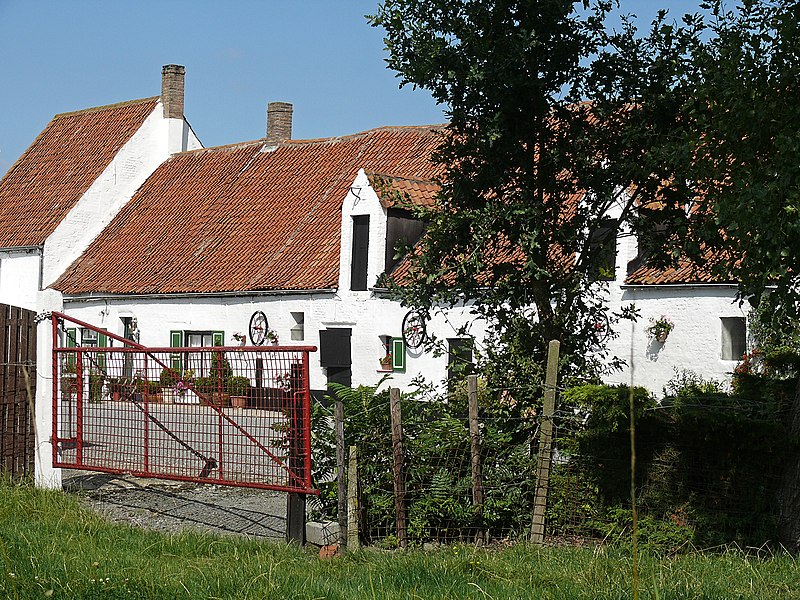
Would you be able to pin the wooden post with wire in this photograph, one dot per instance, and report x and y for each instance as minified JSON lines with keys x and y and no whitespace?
{"x":475,"y":449}
{"x":545,"y":444}
{"x":341,"y":473}
{"x":399,"y":473}
{"x":353,"y":543}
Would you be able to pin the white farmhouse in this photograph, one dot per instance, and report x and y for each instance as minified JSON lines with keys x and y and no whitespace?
{"x":133,"y":226}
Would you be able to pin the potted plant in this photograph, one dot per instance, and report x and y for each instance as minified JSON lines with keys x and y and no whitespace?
{"x":660,"y":328}
{"x":96,"y":381}
{"x":272,"y":336}
{"x":386,"y":362}
{"x":210,"y":392}
{"x":69,"y":387}
{"x":153,"y":391}
{"x":175,"y":384}
{"x":238,"y":388}
{"x":239,"y":338}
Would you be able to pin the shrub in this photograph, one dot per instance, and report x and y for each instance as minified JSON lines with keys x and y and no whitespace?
{"x":238,"y":386}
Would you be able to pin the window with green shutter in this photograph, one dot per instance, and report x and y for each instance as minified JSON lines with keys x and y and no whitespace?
{"x":175,"y":341}
{"x":71,"y":342}
{"x":102,"y":342}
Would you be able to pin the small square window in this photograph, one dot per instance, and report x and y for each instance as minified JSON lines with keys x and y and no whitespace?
{"x":298,"y":331}
{"x":88,"y":338}
{"x":734,"y":338}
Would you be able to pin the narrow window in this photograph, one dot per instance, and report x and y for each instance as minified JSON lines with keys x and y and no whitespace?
{"x":358,"y":267}
{"x":298,"y":331}
{"x":603,"y":246}
{"x":734,"y":338}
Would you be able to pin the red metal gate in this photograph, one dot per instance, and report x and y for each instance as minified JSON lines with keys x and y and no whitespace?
{"x":226,"y":415}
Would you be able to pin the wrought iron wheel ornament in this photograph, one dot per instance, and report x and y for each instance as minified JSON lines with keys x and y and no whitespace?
{"x":258,"y":328}
{"x":414,"y":331}
{"x":602,"y":327}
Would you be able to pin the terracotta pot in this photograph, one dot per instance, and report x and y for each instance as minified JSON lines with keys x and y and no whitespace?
{"x":239,"y":401}
{"x":662,"y":337}
{"x":221,"y":399}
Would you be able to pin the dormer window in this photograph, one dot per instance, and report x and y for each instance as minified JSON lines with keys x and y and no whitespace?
{"x":358,"y":265}
{"x":401,"y":229}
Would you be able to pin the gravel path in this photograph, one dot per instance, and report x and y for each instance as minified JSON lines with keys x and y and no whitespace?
{"x":172,"y":506}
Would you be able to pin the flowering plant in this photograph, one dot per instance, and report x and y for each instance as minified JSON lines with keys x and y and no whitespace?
{"x":386,"y":360}
{"x":660,"y":328}
{"x":239,"y":337}
{"x":184,"y":384}
{"x":284,"y":381}
{"x":272,"y":336}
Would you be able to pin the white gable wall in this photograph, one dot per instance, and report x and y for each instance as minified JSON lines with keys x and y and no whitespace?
{"x":362,"y":200}
{"x":133,"y":164}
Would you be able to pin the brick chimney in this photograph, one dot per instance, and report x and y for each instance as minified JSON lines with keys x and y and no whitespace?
{"x":172,"y":90}
{"x":279,"y":121}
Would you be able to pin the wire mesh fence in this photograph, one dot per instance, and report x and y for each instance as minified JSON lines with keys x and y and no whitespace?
{"x":711,"y":469}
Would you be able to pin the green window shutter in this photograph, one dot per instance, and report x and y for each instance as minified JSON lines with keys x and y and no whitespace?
{"x":71,"y":342}
{"x":102,"y":342}
{"x":217,"y":338}
{"x":398,"y":355}
{"x":175,"y":341}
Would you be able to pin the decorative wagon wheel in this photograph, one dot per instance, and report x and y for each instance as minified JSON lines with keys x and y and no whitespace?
{"x":258,"y":328}
{"x":603,"y":327}
{"x":414,"y":332}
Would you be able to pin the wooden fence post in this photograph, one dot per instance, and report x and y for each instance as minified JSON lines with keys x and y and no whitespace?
{"x":475,"y":447}
{"x":353,"y":542}
{"x":399,"y":472}
{"x":545,"y":444}
{"x":341,"y":474}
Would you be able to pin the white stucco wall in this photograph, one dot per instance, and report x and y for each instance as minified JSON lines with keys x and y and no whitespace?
{"x":368,"y":319}
{"x":19,"y":278}
{"x":695,"y":344}
{"x":155,"y":140}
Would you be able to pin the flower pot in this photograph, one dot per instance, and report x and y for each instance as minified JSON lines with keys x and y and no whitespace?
{"x":221,"y":399}
{"x":662,"y":336}
{"x":168,"y":394}
{"x":239,"y":401}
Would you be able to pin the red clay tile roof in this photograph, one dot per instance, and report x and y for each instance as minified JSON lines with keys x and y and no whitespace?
{"x":64,"y":160}
{"x":242,"y":217}
{"x":394,"y":191}
{"x":685,"y":273}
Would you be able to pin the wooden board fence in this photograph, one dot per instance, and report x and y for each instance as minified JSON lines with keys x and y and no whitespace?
{"x":18,"y":345}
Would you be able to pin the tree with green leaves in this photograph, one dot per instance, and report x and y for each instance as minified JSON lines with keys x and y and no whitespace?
{"x":744,"y":81}
{"x":559,"y":139}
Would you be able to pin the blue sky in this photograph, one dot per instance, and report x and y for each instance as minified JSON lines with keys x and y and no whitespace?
{"x":320,"y":55}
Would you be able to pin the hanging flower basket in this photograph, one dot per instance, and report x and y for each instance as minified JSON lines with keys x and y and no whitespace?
{"x":660,"y":328}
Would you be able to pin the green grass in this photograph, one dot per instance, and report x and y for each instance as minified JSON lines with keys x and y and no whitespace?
{"x":50,"y":547}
